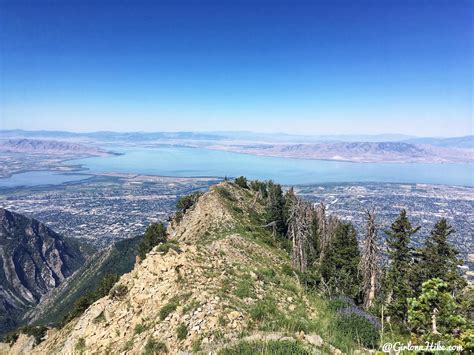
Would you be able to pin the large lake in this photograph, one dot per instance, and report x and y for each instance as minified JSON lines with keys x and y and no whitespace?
{"x":186,"y":162}
{"x":178,"y":161}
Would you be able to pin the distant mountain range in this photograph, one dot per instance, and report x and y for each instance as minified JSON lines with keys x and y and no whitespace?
{"x":387,"y":152}
{"x":458,"y":142}
{"x":45,"y":146}
{"x":356,"y":148}
{"x":466,"y":142}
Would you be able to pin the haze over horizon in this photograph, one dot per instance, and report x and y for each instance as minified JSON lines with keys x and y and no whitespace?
{"x":396,"y":136}
{"x":304,"y":67}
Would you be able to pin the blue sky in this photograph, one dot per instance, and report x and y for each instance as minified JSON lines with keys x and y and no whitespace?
{"x":312,"y":67}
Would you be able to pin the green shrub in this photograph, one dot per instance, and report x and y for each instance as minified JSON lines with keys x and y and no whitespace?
{"x":165,"y":247}
{"x":241,"y":182}
{"x":182,"y":331}
{"x":118,"y":292}
{"x":310,"y":279}
{"x":224,"y":193}
{"x":358,"y":328}
{"x":80,"y":345}
{"x":155,"y":347}
{"x":100,"y":318}
{"x":154,"y":235}
{"x":139,"y":328}
{"x":196,"y":345}
{"x":266,"y":275}
{"x":339,"y":303}
{"x":11,"y":338}
{"x":185,"y":203}
{"x":267,"y":348}
{"x":128,"y":345}
{"x":244,"y":289}
{"x":263,"y":309}
{"x":167,"y":309}
{"x":287,"y":270}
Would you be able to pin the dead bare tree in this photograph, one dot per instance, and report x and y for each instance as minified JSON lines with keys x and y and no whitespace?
{"x":369,"y":265}
{"x":299,"y":231}
{"x":327,"y":226}
{"x":322,"y":229}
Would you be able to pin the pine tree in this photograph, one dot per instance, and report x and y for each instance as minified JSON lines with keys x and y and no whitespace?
{"x":242,"y":182}
{"x":185,"y":203}
{"x":369,"y":266}
{"x":275,"y":207}
{"x":439,"y":258}
{"x":401,"y":262}
{"x":435,"y":314}
{"x":154,"y":235}
{"x":339,"y":266}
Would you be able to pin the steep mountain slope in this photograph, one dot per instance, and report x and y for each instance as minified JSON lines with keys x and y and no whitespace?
{"x":34,"y":259}
{"x":117,"y":259}
{"x":222,"y":280}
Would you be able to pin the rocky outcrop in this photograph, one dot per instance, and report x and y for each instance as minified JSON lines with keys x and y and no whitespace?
{"x":34,"y":259}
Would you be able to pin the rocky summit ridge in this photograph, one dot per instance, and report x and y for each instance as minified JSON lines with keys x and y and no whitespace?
{"x":220,"y":280}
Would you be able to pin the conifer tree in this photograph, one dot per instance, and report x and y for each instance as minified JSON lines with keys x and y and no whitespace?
{"x":154,"y":235}
{"x":439,"y":258}
{"x":435,"y":315}
{"x":242,"y":182}
{"x":275,"y":207}
{"x":400,"y":267}
{"x":339,"y":266}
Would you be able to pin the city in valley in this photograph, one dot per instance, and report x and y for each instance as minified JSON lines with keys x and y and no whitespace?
{"x":109,"y":207}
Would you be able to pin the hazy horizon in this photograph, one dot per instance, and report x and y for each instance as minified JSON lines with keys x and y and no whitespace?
{"x":216,"y":132}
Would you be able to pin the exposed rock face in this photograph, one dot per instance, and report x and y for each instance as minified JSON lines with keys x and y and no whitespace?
{"x":118,"y":259}
{"x":34,"y":259}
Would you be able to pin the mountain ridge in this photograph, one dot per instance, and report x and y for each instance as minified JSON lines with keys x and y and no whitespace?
{"x":46,"y":146}
{"x":221,"y":282}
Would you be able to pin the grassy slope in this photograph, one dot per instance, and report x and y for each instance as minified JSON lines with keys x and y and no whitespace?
{"x":309,"y":312}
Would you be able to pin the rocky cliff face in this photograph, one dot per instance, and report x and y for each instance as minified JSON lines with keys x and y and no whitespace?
{"x":117,"y":259}
{"x":34,"y":259}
